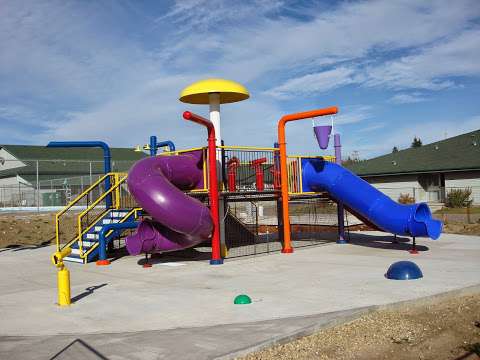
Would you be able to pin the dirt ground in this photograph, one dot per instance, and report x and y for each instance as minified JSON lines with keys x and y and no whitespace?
{"x":19,"y":229}
{"x":445,"y":329}
{"x":455,"y":227}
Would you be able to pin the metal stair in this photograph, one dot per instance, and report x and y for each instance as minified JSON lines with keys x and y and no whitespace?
{"x":90,"y":239}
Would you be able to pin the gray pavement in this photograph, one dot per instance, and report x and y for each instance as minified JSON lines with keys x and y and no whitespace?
{"x":184,"y":309}
{"x":213,"y":342}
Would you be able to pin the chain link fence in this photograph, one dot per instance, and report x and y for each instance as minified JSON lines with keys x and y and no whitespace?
{"x":251,"y":226}
{"x":46,"y":184}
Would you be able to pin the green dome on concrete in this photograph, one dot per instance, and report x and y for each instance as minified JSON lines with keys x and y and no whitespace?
{"x":242,"y":299}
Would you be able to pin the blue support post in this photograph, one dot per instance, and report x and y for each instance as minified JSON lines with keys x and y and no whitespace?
{"x":340,"y":210}
{"x":154,"y":145}
{"x":102,"y":241}
{"x":276,"y":160}
{"x":107,"y":159}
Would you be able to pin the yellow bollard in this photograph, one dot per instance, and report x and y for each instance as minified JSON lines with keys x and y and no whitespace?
{"x":64,"y":287}
{"x":63,"y":277}
{"x":223,"y":250}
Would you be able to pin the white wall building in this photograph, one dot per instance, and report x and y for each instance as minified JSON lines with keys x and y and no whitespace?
{"x":428,"y":172}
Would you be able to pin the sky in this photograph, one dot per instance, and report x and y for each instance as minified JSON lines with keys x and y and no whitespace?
{"x":113,"y":70}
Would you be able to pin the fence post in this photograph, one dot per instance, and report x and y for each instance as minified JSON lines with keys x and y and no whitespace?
{"x":38,"y":191}
{"x":81,"y":184}
{"x":91,"y":180}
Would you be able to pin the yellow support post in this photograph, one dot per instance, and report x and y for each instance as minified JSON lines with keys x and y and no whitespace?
{"x":63,"y":277}
{"x":117,"y":191}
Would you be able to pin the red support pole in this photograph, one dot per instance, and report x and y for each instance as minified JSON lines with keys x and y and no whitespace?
{"x":232,"y":166}
{"x":213,"y":185}
{"x":276,"y":178}
{"x":257,"y":165}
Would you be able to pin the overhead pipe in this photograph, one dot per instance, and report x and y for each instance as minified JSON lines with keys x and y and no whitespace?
{"x":154,"y":145}
{"x":213,"y":193}
{"x":107,"y":159}
{"x":287,"y":247}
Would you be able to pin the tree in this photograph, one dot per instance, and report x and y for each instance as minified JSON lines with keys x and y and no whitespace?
{"x":395,"y":149}
{"x":416,"y":142}
{"x":350,"y":160}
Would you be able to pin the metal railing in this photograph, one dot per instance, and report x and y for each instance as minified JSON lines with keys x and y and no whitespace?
{"x":98,"y":209}
{"x":295,"y":172}
{"x":46,"y":185}
{"x":249,"y":169}
{"x":71,"y":225}
{"x":64,"y":220}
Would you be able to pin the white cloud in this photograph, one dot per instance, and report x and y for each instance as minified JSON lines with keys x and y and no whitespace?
{"x":404,"y":98}
{"x":121,"y":83}
{"x":353,"y":114}
{"x":428,"y":131}
{"x":372,"y":127}
{"x":431,"y":67}
{"x":211,"y":14}
{"x":314,"y":83}
{"x":350,"y":32}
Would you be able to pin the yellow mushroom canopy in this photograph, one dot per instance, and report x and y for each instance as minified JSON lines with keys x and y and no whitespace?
{"x":198,"y":92}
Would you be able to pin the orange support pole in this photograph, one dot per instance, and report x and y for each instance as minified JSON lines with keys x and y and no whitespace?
{"x":287,"y":247}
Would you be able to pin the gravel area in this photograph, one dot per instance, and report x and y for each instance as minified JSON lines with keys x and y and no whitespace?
{"x":446,"y":329}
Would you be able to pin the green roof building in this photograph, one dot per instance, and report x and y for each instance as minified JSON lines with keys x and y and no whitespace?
{"x":63,"y":171}
{"x":427,"y":172}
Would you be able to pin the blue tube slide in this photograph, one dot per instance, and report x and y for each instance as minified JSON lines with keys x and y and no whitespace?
{"x":344,"y":186}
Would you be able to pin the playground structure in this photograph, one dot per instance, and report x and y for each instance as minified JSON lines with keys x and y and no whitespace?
{"x":215,"y":195}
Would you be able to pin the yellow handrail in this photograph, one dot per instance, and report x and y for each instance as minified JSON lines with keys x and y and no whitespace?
{"x":83,"y":213}
{"x":71,"y":204}
{"x":77,"y":199}
{"x":226,"y":147}
{"x":176,"y":152}
{"x":295,"y":181}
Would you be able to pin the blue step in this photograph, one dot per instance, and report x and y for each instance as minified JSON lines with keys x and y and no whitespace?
{"x":92,"y":236}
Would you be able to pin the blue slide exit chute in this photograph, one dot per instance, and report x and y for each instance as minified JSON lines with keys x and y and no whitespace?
{"x":357,"y":194}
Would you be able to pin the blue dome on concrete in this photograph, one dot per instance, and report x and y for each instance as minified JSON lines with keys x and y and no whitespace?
{"x":404,"y":270}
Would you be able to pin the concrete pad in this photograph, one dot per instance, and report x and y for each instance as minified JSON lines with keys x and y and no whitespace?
{"x":223,"y":341}
{"x":126,"y":298}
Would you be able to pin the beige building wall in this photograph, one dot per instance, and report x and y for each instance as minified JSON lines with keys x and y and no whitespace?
{"x":394,"y":186}
{"x":465,"y":179}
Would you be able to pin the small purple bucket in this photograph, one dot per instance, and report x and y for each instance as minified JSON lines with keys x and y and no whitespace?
{"x":322,"y":133}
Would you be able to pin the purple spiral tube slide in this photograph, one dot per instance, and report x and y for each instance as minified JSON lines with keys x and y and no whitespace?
{"x":178,"y":220}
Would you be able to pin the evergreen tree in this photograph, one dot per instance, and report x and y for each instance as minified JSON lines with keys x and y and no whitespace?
{"x":416,"y":142}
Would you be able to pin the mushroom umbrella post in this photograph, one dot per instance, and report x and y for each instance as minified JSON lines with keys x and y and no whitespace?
{"x":214,"y":92}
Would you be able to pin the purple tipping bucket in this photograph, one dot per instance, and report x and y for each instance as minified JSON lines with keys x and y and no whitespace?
{"x":322,"y":133}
